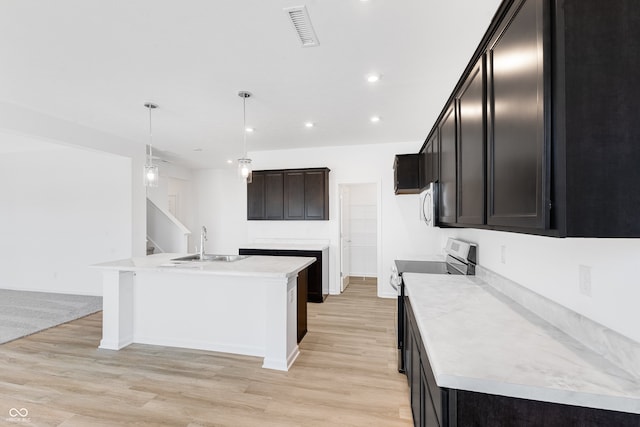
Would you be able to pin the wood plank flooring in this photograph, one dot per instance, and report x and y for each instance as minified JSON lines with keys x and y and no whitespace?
{"x":345,"y":376}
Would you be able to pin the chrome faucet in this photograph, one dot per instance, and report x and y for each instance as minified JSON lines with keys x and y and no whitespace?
{"x":203,"y":238}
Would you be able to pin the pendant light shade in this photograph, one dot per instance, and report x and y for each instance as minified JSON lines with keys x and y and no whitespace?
{"x":244,"y":168}
{"x":151,"y":174}
{"x":244,"y":163}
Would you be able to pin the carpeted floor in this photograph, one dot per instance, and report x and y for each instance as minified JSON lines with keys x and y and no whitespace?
{"x":25,"y":313}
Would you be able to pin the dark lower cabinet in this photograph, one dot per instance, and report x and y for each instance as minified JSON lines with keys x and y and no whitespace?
{"x":434,"y":406}
{"x":316,"y":292}
{"x":479,"y":409}
{"x":302,"y":303}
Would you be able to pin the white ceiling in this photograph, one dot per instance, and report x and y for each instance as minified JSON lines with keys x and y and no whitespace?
{"x":96,"y":62}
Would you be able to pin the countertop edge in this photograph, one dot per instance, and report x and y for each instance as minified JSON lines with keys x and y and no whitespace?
{"x":184,"y":269}
{"x":542,"y":394}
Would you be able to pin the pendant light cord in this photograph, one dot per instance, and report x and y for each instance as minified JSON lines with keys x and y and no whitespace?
{"x":150,"y":139}
{"x":244,"y":124}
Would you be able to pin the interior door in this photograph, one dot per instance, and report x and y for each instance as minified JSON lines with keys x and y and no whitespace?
{"x":345,"y":238}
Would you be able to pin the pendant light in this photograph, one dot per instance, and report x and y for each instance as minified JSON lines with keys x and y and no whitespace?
{"x":244,"y":163}
{"x":150,"y":170}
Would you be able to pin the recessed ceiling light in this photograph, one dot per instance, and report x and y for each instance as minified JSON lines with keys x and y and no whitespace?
{"x":249,"y":130}
{"x":229,"y":161}
{"x":375,"y":119}
{"x":373,"y":77}
{"x":309,"y":124}
{"x":197,"y":149}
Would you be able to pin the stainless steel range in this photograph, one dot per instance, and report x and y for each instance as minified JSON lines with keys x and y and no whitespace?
{"x":461,"y":259}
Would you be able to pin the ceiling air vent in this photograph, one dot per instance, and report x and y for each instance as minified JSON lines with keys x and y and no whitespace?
{"x":302,"y":24}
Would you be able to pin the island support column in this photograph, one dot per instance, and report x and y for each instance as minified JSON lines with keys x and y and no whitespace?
{"x":117,"y":309}
{"x":281,"y":347}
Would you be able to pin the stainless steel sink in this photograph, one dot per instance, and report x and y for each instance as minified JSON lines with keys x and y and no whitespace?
{"x":211,"y":257}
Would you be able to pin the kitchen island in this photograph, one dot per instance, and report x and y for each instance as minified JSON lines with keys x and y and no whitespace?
{"x":247,"y":306}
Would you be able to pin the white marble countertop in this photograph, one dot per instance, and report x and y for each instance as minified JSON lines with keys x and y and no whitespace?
{"x":258,"y":266}
{"x":287,"y":246}
{"x":479,"y":340}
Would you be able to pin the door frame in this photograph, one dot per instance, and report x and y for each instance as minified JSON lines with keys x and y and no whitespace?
{"x":379,"y":274}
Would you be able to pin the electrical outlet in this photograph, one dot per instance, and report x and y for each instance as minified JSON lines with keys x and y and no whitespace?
{"x":584,"y":280}
{"x":503,"y":254}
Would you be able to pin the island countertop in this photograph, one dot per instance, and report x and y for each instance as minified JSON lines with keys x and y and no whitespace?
{"x":257,"y":266}
{"x":287,"y":246}
{"x":478,"y":340}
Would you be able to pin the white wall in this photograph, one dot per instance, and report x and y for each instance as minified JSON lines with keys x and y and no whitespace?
{"x":17,"y":121}
{"x":550,"y":267}
{"x":61,"y":210}
{"x":220,"y":204}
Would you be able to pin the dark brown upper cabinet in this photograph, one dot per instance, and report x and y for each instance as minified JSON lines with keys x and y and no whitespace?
{"x":256,"y":197}
{"x":316,"y":194}
{"x":294,"y":195}
{"x":561,"y":125}
{"x":470,"y":103}
{"x":273,"y":195}
{"x":447,"y":187}
{"x":406,"y":174}
{"x":517,"y":172}
{"x":596,"y":140}
{"x":289,"y":194}
{"x":430,"y":161}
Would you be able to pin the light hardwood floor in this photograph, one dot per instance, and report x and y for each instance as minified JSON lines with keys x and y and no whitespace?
{"x":345,"y":376}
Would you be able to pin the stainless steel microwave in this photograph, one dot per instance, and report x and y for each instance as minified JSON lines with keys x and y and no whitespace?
{"x":428,"y":201}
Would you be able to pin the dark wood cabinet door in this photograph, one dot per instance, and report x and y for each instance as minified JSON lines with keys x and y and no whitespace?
{"x":273,"y":190}
{"x":471,"y":147}
{"x":316,"y":199}
{"x":429,"y":162}
{"x":424,"y":166}
{"x":294,"y":195}
{"x":428,"y":415}
{"x":256,"y":197}
{"x":517,"y":171}
{"x":302,"y":304}
{"x":435,"y":156}
{"x":448,"y":182}
{"x":406,"y":173}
